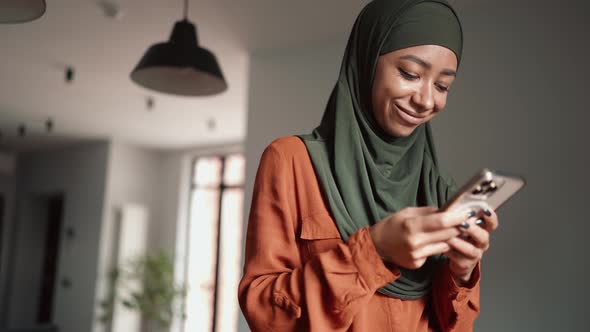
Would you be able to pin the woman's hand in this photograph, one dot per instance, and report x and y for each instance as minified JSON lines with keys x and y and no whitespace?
{"x":467,"y":251}
{"x":407,"y":237}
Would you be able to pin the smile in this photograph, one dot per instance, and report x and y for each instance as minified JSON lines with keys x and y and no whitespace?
{"x":411,"y":118}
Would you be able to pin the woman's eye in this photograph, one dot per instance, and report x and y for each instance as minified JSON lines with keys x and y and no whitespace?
{"x":407,"y":75}
{"x":442,"y":88}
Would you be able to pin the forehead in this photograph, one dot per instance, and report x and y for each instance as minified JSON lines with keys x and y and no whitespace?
{"x":437,"y":56}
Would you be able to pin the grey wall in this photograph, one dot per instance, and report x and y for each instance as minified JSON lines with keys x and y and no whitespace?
{"x":96,"y":179}
{"x":518,"y":105}
{"x":7,"y":189}
{"x":27,"y":270}
{"x":288,"y":91}
{"x":80,"y":173}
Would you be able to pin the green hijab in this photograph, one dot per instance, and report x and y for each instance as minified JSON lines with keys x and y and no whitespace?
{"x":365,"y":174}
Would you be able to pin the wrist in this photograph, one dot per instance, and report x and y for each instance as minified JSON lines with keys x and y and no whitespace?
{"x":375,"y":238}
{"x":462,"y":280}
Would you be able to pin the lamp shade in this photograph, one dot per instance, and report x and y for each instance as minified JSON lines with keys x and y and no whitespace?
{"x":180,"y":66}
{"x":20,"y":11}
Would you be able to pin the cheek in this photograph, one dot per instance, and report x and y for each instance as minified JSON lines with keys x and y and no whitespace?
{"x":399,"y":88}
{"x":380,"y":102}
{"x":440,"y":103}
{"x":383,"y":103}
{"x":395,"y":90}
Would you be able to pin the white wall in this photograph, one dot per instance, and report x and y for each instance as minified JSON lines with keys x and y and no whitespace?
{"x":160,"y":181}
{"x":78,"y":172}
{"x":518,"y":105}
{"x":146,"y":177}
{"x":97,"y":179}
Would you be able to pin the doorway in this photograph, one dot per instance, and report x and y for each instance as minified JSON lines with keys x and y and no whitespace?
{"x":50,"y":261}
{"x":36,"y":259}
{"x":1,"y":226}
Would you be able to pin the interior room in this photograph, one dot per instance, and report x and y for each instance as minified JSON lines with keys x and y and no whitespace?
{"x":104,"y":174}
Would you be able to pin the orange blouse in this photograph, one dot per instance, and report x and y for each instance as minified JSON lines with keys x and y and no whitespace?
{"x":299,"y":275}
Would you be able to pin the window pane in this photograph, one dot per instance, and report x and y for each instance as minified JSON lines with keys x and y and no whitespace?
{"x":202,"y":243}
{"x":207,"y":172}
{"x":230,"y":260}
{"x":202,"y":256}
{"x":234,"y":170}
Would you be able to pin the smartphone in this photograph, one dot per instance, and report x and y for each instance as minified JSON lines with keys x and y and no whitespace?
{"x":485,"y":190}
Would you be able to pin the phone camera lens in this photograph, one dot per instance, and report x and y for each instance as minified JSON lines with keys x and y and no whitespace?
{"x":493,"y":187}
{"x":487,"y":187}
{"x":477,"y":190}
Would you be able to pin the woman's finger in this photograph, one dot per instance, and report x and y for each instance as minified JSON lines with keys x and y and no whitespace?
{"x":465,"y":248}
{"x":490,"y":220}
{"x":455,"y":256}
{"x":440,"y":220}
{"x":430,"y":249}
{"x":478,"y":236}
{"x":437,"y":236}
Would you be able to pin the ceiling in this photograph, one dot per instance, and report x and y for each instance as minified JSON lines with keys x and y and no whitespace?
{"x":102,"y":102}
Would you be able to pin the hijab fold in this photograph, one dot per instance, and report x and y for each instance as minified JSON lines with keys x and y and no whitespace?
{"x":364,"y":173}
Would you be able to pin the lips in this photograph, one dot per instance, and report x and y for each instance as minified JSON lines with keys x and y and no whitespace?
{"x":410,"y":117}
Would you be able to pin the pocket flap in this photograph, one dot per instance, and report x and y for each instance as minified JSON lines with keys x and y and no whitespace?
{"x":319,"y":226}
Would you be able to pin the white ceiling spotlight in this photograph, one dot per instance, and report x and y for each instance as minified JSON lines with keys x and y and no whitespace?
{"x":21,"y":11}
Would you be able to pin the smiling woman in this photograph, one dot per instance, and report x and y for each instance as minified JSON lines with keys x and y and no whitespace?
{"x":344,"y":232}
{"x":411,"y":87}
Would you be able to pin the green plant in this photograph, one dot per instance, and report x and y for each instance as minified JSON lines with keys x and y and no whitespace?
{"x":145,"y":284}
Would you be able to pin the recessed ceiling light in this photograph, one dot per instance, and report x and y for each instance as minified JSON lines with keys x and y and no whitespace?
{"x":111,"y":9}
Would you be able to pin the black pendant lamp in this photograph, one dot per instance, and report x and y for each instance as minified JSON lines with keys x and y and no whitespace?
{"x":179,"y":66}
{"x":21,"y":11}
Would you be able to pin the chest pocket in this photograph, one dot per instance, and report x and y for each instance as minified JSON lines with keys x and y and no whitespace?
{"x":318,"y":234}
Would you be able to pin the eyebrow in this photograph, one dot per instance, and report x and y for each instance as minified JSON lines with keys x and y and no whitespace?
{"x":427,"y":65}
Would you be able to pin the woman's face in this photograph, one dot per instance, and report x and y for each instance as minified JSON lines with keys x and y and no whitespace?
{"x":411,"y":86}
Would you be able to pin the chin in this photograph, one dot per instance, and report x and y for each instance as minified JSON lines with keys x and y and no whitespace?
{"x":401,"y":131}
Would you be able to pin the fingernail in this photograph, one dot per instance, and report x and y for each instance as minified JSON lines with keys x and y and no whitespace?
{"x":487,"y":212}
{"x":464,"y":225}
{"x":480,"y":222}
{"x":471,"y":214}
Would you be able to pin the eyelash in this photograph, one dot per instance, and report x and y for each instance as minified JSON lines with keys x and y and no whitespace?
{"x":407,"y":75}
{"x":411,"y":77}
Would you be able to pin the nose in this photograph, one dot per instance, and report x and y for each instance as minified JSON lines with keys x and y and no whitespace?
{"x":424,"y":97}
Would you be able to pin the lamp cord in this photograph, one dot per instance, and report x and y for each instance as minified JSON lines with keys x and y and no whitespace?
{"x":185,"y":9}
